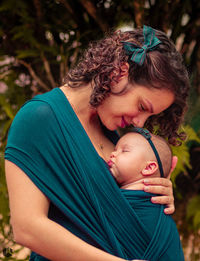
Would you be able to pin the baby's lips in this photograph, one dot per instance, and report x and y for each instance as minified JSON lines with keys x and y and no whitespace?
{"x":110,"y":163}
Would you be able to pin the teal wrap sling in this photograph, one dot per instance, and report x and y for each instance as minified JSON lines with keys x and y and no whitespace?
{"x":47,"y":141}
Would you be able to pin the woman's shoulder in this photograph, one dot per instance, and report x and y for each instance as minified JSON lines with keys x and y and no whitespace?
{"x":36,"y":113}
{"x":35,"y":120}
{"x":39,"y":106}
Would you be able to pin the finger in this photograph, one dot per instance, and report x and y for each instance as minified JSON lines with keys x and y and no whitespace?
{"x":174,"y":162}
{"x":114,"y":170}
{"x":158,"y":181}
{"x":169,"y":210}
{"x":164,"y":200}
{"x":161,"y":190}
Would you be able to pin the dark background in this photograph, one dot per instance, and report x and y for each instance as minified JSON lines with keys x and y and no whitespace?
{"x":41,"y":39}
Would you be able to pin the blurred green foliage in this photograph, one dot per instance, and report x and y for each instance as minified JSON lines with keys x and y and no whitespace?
{"x":41,"y":40}
{"x":183,"y":153}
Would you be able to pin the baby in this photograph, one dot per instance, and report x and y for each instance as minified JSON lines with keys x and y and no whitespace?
{"x":138,"y":155}
{"x":134,"y":159}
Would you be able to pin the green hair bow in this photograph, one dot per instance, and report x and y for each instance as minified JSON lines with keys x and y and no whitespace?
{"x":138,"y":53}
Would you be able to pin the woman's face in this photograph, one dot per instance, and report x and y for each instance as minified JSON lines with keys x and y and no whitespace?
{"x":134,"y":106}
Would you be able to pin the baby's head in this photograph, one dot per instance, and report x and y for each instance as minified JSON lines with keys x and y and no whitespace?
{"x":134,"y":159}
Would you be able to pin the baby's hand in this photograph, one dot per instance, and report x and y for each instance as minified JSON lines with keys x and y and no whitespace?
{"x":114,"y":171}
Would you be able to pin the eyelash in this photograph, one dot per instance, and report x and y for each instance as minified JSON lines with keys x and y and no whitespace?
{"x":142,"y":108}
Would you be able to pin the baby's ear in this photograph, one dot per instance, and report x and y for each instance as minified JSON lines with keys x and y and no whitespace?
{"x":150,"y":168}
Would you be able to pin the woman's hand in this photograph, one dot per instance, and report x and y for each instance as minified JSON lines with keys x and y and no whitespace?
{"x":162,"y":186}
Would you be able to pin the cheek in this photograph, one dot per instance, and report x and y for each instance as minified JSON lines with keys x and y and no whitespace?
{"x":106,"y":108}
{"x":131,"y":163}
{"x":124,"y":164}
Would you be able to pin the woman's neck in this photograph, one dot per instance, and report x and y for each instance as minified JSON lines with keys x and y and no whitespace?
{"x":79,"y":98}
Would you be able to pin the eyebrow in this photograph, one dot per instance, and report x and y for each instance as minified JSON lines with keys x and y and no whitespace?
{"x":150,"y":106}
{"x":123,"y":145}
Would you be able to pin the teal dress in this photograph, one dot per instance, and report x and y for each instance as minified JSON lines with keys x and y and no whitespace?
{"x":47,"y":141}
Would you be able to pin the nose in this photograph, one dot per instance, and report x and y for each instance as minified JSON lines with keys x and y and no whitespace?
{"x":113,"y":154}
{"x":139,"y":121}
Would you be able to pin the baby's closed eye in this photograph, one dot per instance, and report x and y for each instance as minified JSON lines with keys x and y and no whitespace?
{"x":125,"y":150}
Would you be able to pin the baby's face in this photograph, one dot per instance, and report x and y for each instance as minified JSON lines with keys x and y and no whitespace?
{"x":129,"y":158}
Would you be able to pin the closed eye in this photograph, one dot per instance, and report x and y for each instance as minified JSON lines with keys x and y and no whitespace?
{"x":125,"y":150}
{"x":141,"y":107}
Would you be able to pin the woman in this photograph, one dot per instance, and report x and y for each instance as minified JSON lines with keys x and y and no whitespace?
{"x":59,"y":142}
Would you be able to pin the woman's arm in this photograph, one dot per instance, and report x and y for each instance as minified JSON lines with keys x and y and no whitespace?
{"x":33,"y":229}
{"x":163,"y":187}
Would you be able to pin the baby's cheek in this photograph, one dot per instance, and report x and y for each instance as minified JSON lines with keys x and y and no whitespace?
{"x":122,"y":166}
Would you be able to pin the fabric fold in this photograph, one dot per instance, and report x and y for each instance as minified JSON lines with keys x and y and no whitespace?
{"x":47,"y":141}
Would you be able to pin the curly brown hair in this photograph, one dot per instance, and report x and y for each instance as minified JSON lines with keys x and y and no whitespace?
{"x":163,"y":68}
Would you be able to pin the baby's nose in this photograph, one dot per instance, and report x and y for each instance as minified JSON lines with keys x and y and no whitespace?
{"x":113,"y":154}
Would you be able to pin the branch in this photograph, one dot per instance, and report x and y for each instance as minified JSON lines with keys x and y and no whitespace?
{"x":37,"y":5}
{"x":139,"y":12}
{"x":33,"y":74}
{"x":67,"y":6}
{"x":75,"y":55}
{"x":63,"y":66}
{"x":70,"y":10}
{"x":92,"y":10}
{"x":48,"y":71}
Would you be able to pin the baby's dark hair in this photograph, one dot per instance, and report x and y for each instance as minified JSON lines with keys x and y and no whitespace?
{"x":165,"y":153}
{"x":162,"y":69}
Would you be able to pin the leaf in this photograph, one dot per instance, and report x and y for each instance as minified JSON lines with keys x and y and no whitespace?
{"x":193,"y":207}
{"x":196,"y":220}
{"x":27,"y":53}
{"x":6,"y":107}
{"x":191,"y":134}
{"x":182,"y":152}
{"x":6,"y":127}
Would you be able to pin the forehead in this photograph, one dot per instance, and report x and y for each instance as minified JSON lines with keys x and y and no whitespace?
{"x":157,"y":99}
{"x":133,"y":138}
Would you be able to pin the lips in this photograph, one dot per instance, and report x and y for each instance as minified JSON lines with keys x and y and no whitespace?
{"x":110,"y":163}
{"x":123,"y":123}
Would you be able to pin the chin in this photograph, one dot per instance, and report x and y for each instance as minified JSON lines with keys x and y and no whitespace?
{"x":111,"y":127}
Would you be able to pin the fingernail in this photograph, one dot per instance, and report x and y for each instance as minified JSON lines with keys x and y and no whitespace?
{"x":146,"y":180}
{"x":146,"y":188}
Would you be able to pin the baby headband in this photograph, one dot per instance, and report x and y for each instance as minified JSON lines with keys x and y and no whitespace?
{"x":137,"y":52}
{"x":146,"y":134}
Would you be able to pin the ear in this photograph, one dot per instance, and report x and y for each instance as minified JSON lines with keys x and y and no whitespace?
{"x":124,"y":68}
{"x":174,"y":162}
{"x":117,"y":74}
{"x":150,"y":169}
